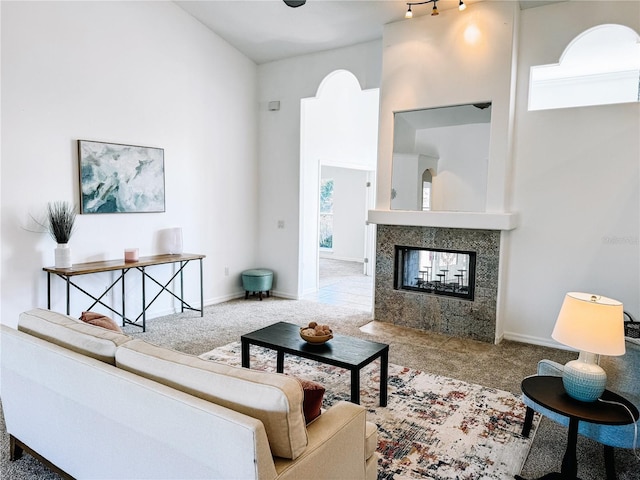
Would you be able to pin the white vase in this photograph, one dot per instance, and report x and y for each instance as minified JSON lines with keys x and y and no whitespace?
{"x":63,"y":256}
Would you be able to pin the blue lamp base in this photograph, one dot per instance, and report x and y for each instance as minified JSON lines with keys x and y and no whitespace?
{"x":583,"y":379}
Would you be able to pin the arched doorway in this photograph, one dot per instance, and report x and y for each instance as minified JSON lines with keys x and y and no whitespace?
{"x":339,"y":134}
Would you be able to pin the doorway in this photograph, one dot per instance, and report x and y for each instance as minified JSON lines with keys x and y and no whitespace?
{"x":339,"y":138}
{"x":343,"y":284}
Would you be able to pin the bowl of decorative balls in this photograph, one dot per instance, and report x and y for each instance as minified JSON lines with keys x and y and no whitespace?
{"x":314,"y":333}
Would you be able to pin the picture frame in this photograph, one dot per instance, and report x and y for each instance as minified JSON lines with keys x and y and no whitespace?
{"x":118,"y":178}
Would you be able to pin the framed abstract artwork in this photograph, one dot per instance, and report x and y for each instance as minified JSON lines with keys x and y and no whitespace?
{"x":118,"y":178}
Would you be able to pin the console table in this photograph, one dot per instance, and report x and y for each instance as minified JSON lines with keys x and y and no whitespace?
{"x":140,"y":265}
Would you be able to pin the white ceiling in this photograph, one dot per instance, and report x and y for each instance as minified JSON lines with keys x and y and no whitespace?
{"x":267,"y":30}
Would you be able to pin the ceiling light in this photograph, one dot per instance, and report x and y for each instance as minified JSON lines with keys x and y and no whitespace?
{"x":434,"y":11}
{"x":409,"y":13}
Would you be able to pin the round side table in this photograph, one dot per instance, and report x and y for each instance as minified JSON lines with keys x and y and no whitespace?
{"x":550,"y":393}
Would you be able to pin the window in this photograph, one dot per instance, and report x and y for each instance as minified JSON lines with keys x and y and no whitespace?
{"x":600,"y":66}
{"x":326,"y":214}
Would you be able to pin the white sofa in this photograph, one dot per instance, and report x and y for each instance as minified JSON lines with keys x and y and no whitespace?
{"x":95,"y":403}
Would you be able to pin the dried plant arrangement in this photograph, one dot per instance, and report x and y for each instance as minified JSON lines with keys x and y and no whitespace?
{"x":61,"y":217}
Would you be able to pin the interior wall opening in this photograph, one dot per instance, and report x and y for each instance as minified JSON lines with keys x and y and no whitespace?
{"x":339,"y":138}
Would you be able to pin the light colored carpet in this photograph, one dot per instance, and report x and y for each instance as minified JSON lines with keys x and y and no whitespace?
{"x":498,"y":366}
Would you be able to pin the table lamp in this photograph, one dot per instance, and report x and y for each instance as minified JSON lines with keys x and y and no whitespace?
{"x":594,"y":325}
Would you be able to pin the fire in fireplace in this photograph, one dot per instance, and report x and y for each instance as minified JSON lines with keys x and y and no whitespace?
{"x":435,"y":271}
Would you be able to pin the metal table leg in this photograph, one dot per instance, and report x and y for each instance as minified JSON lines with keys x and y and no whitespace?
{"x":201,"y":292}
{"x":124,"y":316}
{"x":68,"y":301}
{"x":48,"y":290}
{"x":144,"y":301}
{"x":181,"y":288}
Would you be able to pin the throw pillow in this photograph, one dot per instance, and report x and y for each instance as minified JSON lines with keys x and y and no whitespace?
{"x":313,"y":395}
{"x":100,"y":320}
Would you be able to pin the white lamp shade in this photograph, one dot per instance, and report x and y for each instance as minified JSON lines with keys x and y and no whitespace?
{"x":591,"y":323}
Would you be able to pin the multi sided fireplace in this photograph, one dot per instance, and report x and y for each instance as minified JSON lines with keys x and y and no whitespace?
{"x":472,"y":317}
{"x":435,"y":271}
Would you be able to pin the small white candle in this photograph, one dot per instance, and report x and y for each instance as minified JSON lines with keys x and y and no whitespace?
{"x":130,"y":254}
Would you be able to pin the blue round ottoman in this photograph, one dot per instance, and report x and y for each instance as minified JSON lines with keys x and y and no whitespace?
{"x":257,"y":280}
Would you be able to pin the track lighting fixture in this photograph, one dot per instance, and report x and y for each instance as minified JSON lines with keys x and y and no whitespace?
{"x":434,"y":11}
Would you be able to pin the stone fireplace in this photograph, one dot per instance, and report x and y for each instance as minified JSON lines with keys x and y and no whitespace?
{"x":472,"y":317}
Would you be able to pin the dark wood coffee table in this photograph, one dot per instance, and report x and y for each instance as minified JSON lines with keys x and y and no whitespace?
{"x":341,"y":351}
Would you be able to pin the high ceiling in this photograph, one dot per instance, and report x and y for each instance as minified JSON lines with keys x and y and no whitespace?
{"x":267,"y":30}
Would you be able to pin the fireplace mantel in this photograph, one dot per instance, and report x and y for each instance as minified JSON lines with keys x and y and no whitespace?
{"x":469,"y":220}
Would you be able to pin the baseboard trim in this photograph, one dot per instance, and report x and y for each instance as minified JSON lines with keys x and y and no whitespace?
{"x":208,"y":302}
{"x":223,"y":298}
{"x":216,"y":300}
{"x":277,"y":293}
{"x":234,"y":296}
{"x":543,"y":342}
{"x":330,"y":256}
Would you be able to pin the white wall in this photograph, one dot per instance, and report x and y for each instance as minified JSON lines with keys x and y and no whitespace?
{"x":406,"y":182}
{"x":147,"y":73}
{"x":408,"y":170}
{"x":463,"y":161}
{"x":404,"y":136}
{"x":142,"y":73}
{"x":349,"y":207}
{"x":433,"y":62}
{"x":456,"y":58}
{"x":576,"y":184}
{"x":572,"y":175}
{"x":289,"y":81}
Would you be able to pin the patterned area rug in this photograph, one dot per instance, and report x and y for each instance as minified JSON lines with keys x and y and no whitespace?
{"x":433,"y":426}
